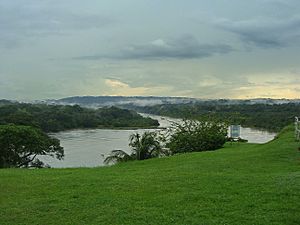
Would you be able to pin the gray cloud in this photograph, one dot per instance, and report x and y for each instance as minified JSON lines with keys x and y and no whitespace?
{"x":19,"y":22}
{"x":142,"y":54}
{"x":184,"y":48}
{"x":264,"y":32}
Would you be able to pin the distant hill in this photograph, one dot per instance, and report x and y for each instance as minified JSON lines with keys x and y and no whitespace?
{"x":4,"y":102}
{"x":101,"y":101}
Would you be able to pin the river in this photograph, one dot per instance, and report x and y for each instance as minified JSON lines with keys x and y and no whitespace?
{"x":87,"y":148}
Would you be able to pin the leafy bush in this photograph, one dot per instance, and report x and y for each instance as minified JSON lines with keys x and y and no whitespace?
{"x":195,"y":136}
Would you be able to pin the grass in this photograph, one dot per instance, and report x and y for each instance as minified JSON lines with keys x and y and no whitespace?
{"x":240,"y":184}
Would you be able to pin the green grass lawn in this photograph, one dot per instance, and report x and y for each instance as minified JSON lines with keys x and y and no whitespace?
{"x":239,"y":184}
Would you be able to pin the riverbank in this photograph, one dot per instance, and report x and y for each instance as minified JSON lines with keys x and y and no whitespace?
{"x":239,"y":184}
{"x":88,"y":147}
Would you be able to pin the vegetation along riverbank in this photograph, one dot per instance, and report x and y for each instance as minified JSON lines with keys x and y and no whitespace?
{"x":54,"y":118}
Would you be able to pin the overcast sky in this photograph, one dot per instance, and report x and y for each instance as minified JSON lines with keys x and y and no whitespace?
{"x":194,"y":48}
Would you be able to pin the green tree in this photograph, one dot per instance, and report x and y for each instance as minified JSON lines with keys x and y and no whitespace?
{"x":143,"y":147}
{"x":54,"y":118}
{"x":20,"y":145}
{"x":194,"y":136}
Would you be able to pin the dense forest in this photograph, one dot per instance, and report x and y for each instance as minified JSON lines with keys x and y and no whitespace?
{"x":263,"y":116}
{"x":54,"y":118}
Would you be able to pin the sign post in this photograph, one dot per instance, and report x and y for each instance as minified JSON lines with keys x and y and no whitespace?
{"x":297,"y":128}
{"x":235,"y":131}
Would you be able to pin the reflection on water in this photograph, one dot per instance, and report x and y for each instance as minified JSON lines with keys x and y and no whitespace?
{"x":256,"y":136}
{"x":85,"y":148}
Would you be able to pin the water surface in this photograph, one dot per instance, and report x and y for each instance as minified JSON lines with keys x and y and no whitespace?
{"x":87,"y":148}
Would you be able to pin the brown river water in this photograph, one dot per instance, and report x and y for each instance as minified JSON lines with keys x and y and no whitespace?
{"x":87,"y":148}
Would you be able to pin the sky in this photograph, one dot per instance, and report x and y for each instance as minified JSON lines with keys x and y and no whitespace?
{"x":51,"y":49}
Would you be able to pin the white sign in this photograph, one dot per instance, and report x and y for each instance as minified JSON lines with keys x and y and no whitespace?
{"x":297,"y":128}
{"x":235,"y":131}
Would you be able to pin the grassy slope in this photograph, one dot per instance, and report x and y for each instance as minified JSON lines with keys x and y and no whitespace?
{"x":240,"y":184}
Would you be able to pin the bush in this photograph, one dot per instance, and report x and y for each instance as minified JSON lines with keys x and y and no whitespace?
{"x":195,"y":136}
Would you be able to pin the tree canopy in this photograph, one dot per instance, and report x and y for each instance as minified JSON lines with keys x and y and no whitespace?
{"x":54,"y":118}
{"x":264,"y":116}
{"x":20,"y":145}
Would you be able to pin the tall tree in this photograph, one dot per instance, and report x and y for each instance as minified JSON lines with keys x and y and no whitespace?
{"x":20,"y":145}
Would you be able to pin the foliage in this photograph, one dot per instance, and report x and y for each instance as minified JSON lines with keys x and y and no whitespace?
{"x":194,"y":136}
{"x":143,"y":147}
{"x":117,"y":156}
{"x":242,"y":184}
{"x":264,"y":116}
{"x":53,"y":118}
{"x":19,"y":146}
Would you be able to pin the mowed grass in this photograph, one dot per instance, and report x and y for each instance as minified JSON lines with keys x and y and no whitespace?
{"x":240,"y":184}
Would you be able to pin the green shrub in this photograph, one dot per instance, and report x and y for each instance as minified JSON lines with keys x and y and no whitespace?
{"x":195,"y":136}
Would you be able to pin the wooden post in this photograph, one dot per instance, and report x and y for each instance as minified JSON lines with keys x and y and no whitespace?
{"x":297,"y":128}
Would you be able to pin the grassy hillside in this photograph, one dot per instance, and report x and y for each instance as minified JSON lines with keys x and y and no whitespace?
{"x":240,"y":184}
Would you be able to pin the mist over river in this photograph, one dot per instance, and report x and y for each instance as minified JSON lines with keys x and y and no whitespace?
{"x":87,"y":148}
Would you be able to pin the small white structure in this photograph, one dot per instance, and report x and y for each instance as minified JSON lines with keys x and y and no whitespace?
{"x":235,"y":131}
{"x":297,"y":128}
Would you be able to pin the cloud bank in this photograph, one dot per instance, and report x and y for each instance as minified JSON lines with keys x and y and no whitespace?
{"x":183,"y":48}
{"x":264,"y":32}
{"x":196,"y":48}
{"x":19,"y":21}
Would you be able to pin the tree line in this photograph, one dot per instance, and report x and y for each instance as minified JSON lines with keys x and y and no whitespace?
{"x":262,"y":116}
{"x":24,"y":127}
{"x":54,"y":118}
